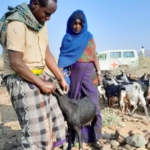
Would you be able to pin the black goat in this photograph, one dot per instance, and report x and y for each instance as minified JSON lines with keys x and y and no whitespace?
{"x":77,"y":114}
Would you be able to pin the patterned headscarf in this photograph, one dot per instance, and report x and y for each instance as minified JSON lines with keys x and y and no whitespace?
{"x":20,"y":13}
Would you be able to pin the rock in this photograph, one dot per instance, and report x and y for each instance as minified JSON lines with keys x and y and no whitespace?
{"x":115,"y":148}
{"x":122,"y":124}
{"x":114,"y":143}
{"x":148,"y":146}
{"x":129,"y":147}
{"x":136,"y":140}
{"x":121,"y":135}
{"x":147,"y":137}
{"x":114,"y":128}
{"x":121,"y":148}
{"x":145,"y":131}
{"x":1,"y":134}
{"x":11,"y":134}
{"x":104,"y":141}
{"x":106,"y":136}
{"x":141,"y":148}
{"x":133,"y":132}
{"x":134,"y":120}
{"x":1,"y":124}
{"x":8,"y":146}
{"x":145,"y":122}
{"x":106,"y":147}
{"x":113,"y":137}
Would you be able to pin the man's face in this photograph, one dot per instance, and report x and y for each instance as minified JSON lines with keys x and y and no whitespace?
{"x":43,"y":14}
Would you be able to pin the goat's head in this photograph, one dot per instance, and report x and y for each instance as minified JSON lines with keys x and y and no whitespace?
{"x":123,"y":76}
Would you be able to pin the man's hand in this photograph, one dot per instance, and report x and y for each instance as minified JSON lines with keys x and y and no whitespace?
{"x":64,"y":85}
{"x":99,"y":79}
{"x":47,"y":88}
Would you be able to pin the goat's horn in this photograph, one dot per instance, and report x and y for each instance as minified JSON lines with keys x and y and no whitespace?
{"x":121,"y":71}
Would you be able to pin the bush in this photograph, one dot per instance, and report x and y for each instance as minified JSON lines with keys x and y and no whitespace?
{"x":109,"y":118}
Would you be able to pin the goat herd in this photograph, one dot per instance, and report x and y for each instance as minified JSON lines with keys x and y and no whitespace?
{"x":127,"y":91}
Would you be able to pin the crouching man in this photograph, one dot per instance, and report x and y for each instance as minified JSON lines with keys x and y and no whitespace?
{"x":23,"y":36}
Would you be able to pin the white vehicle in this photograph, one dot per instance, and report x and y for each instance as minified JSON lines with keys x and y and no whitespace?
{"x":112,"y":59}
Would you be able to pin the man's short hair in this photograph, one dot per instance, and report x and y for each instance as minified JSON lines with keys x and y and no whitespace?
{"x":44,"y":3}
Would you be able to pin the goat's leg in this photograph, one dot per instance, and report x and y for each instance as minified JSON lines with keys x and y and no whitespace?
{"x":69,"y":139}
{"x":129,"y":108}
{"x":143,"y":101}
{"x":134,"y":109}
{"x":78,"y":131}
{"x":126,"y":107}
{"x":122,"y":111}
{"x":146,"y":111}
{"x":103,"y":98}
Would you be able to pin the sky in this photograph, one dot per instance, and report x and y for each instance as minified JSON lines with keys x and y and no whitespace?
{"x":115,"y":24}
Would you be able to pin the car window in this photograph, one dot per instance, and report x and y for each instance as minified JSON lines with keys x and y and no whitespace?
{"x":102,"y":56}
{"x":115,"y":54}
{"x":128,"y":54}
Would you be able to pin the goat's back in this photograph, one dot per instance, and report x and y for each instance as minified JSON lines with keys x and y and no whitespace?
{"x":83,"y":110}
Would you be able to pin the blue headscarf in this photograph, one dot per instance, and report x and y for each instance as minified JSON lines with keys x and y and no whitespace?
{"x":73,"y":44}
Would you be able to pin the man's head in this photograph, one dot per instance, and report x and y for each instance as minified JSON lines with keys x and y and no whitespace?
{"x":43,"y":9}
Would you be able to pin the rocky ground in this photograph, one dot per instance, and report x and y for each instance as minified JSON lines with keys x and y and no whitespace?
{"x":131,"y":134}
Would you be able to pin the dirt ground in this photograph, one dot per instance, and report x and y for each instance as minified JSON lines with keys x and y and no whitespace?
{"x":11,"y":126}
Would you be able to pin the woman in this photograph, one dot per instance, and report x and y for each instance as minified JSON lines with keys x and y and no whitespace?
{"x":78,"y":54}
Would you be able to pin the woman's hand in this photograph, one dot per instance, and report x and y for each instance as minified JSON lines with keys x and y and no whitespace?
{"x":99,"y":77}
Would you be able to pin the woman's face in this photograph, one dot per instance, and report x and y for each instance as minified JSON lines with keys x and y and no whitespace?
{"x":77,"y":25}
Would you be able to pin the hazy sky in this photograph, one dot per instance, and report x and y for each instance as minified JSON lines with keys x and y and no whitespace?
{"x":115,"y":24}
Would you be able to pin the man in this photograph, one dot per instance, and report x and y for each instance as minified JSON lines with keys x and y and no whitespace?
{"x":23,"y":36}
{"x":142,"y":52}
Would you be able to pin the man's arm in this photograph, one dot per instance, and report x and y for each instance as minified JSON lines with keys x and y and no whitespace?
{"x":51,"y":64}
{"x":16,"y":62}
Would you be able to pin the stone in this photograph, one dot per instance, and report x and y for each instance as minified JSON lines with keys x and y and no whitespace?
{"x":106,"y":147}
{"x":134,"y":120}
{"x":11,"y":134}
{"x":148,"y":146}
{"x":121,"y":148}
{"x":141,"y":148}
{"x":115,"y":148}
{"x":106,"y":136}
{"x":136,"y":140}
{"x":8,"y":146}
{"x":145,"y":131}
{"x":1,"y":134}
{"x":114,"y":143}
{"x":114,"y":128}
{"x":122,"y":124}
{"x":1,"y":124}
{"x":133,"y":132}
{"x":121,"y":135}
{"x":129,"y":147}
{"x":145,"y":122}
{"x":147,"y":137}
{"x":104,"y":141}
